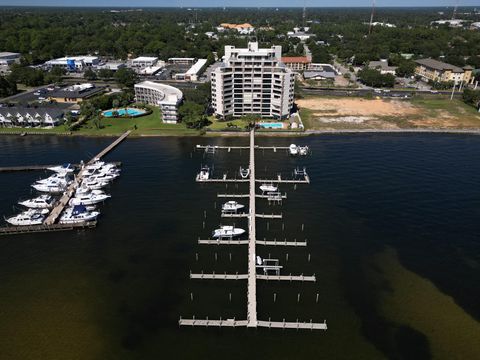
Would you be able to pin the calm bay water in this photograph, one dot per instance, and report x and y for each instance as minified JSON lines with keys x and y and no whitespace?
{"x":393,"y":232}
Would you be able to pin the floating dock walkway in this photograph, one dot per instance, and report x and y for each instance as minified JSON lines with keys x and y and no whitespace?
{"x":38,"y":167}
{"x":251,"y":276}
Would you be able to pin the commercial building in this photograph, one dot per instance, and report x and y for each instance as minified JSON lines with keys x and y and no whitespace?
{"x":74,"y":63}
{"x":22,"y":117}
{"x":144,"y":61}
{"x":431,"y":69}
{"x":111,"y":65}
{"x":383,"y":67}
{"x":75,"y":93}
{"x":166,"y":97}
{"x":181,"y":61}
{"x":318,"y":75}
{"x":9,"y":58}
{"x":192,"y":73}
{"x":253,"y":81}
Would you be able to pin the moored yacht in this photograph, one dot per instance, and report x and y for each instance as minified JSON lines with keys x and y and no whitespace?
{"x":40,"y":202}
{"x":232,"y":206}
{"x":93,"y":184}
{"x":29,"y":217}
{"x":89,"y":198}
{"x":227,"y":231}
{"x":63,"y":169}
{"x":78,"y":214}
{"x":268,"y":188}
{"x":57,"y":177}
{"x":52,"y":187}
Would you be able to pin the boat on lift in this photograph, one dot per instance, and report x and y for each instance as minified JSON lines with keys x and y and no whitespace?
{"x":89,"y":198}
{"x":244,"y":173}
{"x":204,"y":173}
{"x":78,"y":214}
{"x":62,"y":169}
{"x":293,"y":149}
{"x":300,"y":172}
{"x":227,"y":232}
{"x":231,"y":206}
{"x":303,"y":150}
{"x":40,"y":202}
{"x":29,"y":217}
{"x":268,"y":188}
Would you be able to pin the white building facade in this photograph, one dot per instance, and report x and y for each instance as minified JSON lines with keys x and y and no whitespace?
{"x":166,"y":97}
{"x":253,"y":81}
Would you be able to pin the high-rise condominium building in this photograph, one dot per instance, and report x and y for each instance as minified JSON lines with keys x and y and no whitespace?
{"x":253,"y":81}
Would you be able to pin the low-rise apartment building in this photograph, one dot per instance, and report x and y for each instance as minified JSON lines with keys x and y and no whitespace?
{"x":253,"y":81}
{"x":434,"y":70}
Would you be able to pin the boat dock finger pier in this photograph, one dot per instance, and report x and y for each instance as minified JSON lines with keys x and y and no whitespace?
{"x":254,"y":263}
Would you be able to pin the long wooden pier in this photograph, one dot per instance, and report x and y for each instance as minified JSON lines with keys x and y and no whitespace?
{"x":38,"y":167}
{"x":11,"y":230}
{"x":251,"y":276}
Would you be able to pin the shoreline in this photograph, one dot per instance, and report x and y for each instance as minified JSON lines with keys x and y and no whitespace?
{"x":473,"y":131}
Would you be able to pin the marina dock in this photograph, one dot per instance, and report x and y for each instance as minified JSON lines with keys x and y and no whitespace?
{"x":251,"y":276}
{"x":50,"y":223}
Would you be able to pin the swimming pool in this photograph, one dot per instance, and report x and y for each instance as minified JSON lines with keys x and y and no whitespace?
{"x":271,"y":125}
{"x":133,"y":112}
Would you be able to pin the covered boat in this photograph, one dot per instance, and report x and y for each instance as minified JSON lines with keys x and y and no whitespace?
{"x":268,"y":188}
{"x":204,"y":173}
{"x":232,"y":206}
{"x":293,"y":149}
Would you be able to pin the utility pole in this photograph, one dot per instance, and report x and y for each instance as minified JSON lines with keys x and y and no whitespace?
{"x":453,"y":90}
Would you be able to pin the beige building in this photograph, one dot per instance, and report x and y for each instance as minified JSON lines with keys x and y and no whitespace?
{"x":253,"y":81}
{"x":430,"y":69}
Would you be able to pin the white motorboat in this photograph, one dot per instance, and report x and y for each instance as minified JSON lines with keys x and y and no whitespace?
{"x":52,"y":187}
{"x":268,"y":188}
{"x":93,"y":184}
{"x":63,"y":169}
{"x":293,"y":149}
{"x":40,"y":202}
{"x":227,"y":231}
{"x":57,"y":177}
{"x":104,"y":177}
{"x":244,"y":173}
{"x":89,"y":198}
{"x":78,"y":214}
{"x":232,"y":206}
{"x":97,"y":165}
{"x":29,"y":217}
{"x":204,"y":173}
{"x":303,"y":150}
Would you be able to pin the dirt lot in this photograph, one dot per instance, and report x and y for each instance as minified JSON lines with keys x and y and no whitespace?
{"x":341,"y":113}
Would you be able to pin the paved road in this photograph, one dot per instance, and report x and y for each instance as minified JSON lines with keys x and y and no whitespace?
{"x":363,"y":92}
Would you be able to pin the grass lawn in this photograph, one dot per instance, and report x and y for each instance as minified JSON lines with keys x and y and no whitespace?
{"x":222,"y":125}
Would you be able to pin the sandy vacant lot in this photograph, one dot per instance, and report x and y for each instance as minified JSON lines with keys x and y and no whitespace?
{"x":335,"y":113}
{"x":357,"y":106}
